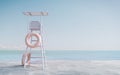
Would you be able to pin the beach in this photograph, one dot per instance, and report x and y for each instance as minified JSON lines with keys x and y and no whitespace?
{"x":63,"y":67}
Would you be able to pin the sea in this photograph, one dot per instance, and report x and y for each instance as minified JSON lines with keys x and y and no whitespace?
{"x":16,"y":55}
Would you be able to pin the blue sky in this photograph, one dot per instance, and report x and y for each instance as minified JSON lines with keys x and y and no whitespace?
{"x":70,"y":25}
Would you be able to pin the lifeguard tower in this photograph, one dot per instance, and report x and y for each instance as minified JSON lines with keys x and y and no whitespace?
{"x":34,"y":40}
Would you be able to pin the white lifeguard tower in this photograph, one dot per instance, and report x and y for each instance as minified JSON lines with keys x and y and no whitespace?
{"x":34,"y":40}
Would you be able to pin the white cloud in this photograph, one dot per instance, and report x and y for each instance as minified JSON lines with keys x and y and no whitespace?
{"x":11,"y":47}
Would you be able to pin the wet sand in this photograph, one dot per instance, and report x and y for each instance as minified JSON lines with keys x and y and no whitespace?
{"x":63,"y":67}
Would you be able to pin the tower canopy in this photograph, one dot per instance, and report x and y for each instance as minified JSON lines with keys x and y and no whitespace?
{"x":35,"y":13}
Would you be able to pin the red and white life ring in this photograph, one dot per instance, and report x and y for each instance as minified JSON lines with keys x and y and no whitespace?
{"x":28,"y":38}
{"x":26,"y":59}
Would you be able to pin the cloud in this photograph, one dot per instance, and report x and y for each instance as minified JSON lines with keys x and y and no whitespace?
{"x":11,"y":47}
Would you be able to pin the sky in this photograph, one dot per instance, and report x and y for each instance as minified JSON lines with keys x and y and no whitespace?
{"x":70,"y":25}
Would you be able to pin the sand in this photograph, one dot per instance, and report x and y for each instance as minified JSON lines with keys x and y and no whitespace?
{"x":63,"y":67}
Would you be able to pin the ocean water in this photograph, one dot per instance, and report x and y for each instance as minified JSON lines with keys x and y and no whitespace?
{"x":16,"y":55}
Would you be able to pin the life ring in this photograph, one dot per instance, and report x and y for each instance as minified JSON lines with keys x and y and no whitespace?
{"x":26,"y":59}
{"x":28,"y":38}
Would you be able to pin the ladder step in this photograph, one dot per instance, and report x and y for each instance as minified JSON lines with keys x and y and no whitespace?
{"x":36,"y":62}
{"x":36,"y":57}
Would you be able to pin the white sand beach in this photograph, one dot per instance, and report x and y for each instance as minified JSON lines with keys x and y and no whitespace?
{"x":64,"y":67}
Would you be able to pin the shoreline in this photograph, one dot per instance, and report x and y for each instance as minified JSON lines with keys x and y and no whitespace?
{"x":64,"y":67}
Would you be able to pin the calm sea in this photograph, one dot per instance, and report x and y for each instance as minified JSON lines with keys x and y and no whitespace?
{"x":15,"y":55}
